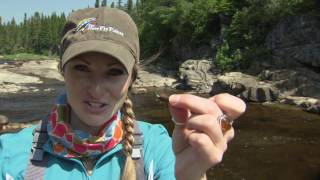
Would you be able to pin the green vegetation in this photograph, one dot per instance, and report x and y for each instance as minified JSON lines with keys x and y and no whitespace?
{"x":26,"y":56}
{"x":38,"y":34}
{"x":240,"y":26}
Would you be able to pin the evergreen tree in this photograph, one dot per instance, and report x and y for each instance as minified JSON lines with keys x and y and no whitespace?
{"x":104,"y":3}
{"x":24,"y":33}
{"x":2,"y":35}
{"x":119,"y":5}
{"x":112,"y":5}
{"x":97,"y":4}
{"x":129,"y":6}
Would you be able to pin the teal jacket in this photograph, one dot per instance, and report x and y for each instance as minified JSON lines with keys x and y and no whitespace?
{"x":157,"y":152}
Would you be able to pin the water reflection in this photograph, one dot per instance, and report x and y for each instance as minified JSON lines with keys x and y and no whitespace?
{"x":272,"y":141}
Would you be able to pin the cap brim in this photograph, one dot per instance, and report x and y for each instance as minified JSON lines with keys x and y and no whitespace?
{"x":106,"y":47}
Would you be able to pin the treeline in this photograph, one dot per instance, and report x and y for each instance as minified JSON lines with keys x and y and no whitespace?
{"x":239,"y":27}
{"x":37,"y":34}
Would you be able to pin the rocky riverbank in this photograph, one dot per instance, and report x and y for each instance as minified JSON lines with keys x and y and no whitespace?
{"x":41,"y":77}
{"x":290,"y":76}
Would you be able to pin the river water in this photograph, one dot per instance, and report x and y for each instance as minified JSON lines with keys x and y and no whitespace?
{"x":272,"y":141}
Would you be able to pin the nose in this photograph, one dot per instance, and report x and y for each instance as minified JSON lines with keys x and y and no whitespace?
{"x":97,"y":88}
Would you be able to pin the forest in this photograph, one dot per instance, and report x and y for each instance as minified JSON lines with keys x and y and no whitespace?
{"x":240,"y":27}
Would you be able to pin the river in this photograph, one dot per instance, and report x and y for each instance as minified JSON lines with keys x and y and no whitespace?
{"x":271,"y":142}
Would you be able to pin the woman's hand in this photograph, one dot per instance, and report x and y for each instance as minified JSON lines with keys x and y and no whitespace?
{"x":198,"y":140}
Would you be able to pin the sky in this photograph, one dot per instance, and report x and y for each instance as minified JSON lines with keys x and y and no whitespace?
{"x":17,"y":8}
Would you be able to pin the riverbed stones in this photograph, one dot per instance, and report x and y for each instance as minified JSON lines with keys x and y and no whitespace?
{"x":3,"y":121}
{"x":306,"y":103}
{"x":8,"y":77}
{"x":137,"y":90}
{"x":260,"y":94}
{"x":12,"y":82}
{"x":197,"y":75}
{"x":294,"y":82}
{"x":146,"y":79}
{"x":246,"y":86}
{"x":44,"y":68}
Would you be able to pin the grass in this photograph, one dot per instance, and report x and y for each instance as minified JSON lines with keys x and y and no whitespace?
{"x":25,"y":56}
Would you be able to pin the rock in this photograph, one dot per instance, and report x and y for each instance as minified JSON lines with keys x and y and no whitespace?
{"x":306,"y":103}
{"x":315,"y":108}
{"x":139,"y":90}
{"x":294,"y":82}
{"x":246,"y":86}
{"x":14,"y":88}
{"x":44,"y":68}
{"x":295,"y":41}
{"x":12,"y":82}
{"x":260,"y":94}
{"x":14,"y":127}
{"x":197,"y":75}
{"x":146,"y":79}
{"x":14,"y":78}
{"x":3,"y":120}
{"x":24,"y":76}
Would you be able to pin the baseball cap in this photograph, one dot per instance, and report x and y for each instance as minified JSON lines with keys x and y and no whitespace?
{"x":104,"y":30}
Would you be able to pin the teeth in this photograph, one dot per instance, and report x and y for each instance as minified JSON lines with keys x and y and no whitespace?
{"x":97,"y":105}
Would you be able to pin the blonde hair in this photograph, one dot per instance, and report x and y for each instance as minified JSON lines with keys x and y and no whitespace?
{"x":129,"y":171}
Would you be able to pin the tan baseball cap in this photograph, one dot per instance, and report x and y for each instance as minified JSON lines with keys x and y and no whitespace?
{"x":104,"y":30}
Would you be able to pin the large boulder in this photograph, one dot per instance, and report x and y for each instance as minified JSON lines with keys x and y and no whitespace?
{"x":197,"y":75}
{"x":306,"y":103}
{"x":294,"y":82}
{"x":246,"y":86}
{"x":295,"y":41}
{"x":44,"y":68}
{"x":12,"y":82}
{"x":147,"y":79}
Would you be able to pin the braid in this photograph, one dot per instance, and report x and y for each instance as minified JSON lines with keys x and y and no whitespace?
{"x":129,"y":172}
{"x":128,"y":118}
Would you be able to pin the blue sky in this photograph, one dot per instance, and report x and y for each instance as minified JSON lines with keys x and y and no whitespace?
{"x":17,"y":8}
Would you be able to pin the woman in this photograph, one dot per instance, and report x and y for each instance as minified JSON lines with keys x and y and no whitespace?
{"x":91,"y":132}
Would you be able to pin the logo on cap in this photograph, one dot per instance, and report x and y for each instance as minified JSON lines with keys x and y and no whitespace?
{"x":90,"y":24}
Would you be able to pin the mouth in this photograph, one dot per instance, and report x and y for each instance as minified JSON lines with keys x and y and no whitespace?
{"x":95,"y":104}
{"x":95,"y":107}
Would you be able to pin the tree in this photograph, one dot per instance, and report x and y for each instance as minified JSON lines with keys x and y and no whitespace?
{"x":97,"y":4}
{"x":119,"y":5}
{"x":104,"y":3}
{"x":112,"y":5}
{"x":129,"y":6}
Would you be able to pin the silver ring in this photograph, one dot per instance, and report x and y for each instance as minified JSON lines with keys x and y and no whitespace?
{"x":177,"y":123}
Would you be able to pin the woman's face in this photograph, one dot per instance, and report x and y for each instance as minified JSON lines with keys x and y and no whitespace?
{"x":96,"y":86}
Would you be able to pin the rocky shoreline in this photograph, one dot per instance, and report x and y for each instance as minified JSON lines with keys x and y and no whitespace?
{"x":194,"y":76}
{"x":290,"y":76}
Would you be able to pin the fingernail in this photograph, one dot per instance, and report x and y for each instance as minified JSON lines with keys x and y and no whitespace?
{"x":174,"y":99}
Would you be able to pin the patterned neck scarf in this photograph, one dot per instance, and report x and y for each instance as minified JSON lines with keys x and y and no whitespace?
{"x":77,"y":144}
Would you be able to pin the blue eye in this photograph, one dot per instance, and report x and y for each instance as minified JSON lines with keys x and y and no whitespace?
{"x":115,"y":72}
{"x":80,"y":67}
